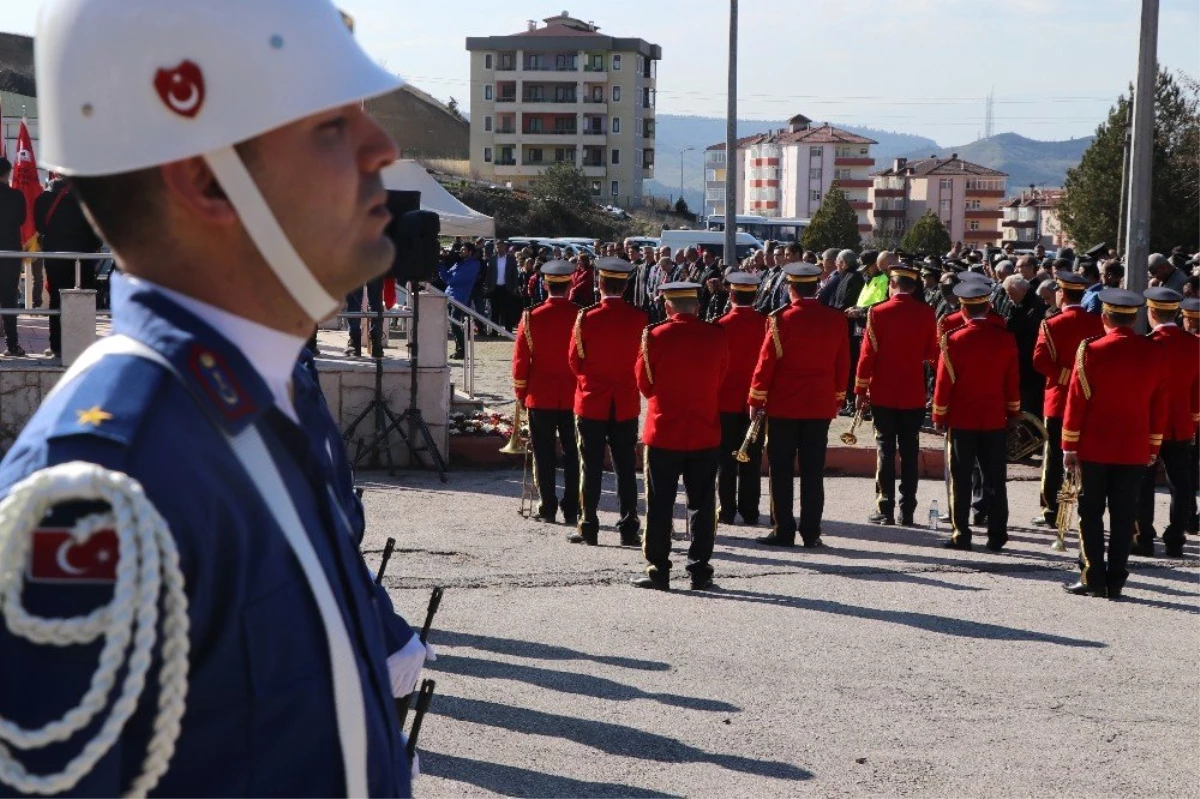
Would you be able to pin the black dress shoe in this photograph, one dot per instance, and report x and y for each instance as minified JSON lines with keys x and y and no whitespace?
{"x":881,"y":518}
{"x":702,"y":583}
{"x":730,"y":519}
{"x":775,"y":541}
{"x":580,"y":538}
{"x":995,"y":546}
{"x":979,"y":520}
{"x":653,"y":583}
{"x":907,"y":521}
{"x":1143,"y":551}
{"x":960,"y":543}
{"x":547,"y":518}
{"x":631,"y":540}
{"x":1114,"y":594}
{"x":1079,"y":589}
{"x":1174,"y":552}
{"x":813,"y":543}
{"x":751,"y":520}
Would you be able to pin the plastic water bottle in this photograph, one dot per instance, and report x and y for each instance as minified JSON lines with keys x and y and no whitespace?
{"x":933,"y":516}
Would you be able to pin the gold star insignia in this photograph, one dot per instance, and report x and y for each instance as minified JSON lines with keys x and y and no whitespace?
{"x":93,"y":416}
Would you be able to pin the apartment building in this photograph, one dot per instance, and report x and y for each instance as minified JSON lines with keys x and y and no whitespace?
{"x":965,"y":196}
{"x":1032,"y":219}
{"x":787,"y":172}
{"x":564,"y":92}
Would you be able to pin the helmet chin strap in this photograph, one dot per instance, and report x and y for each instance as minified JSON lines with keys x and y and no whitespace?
{"x":268,"y":236}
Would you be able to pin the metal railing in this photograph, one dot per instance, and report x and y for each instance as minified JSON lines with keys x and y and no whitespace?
{"x":469,"y":340}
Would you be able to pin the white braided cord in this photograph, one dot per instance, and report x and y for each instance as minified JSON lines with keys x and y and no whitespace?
{"x":147,"y":569}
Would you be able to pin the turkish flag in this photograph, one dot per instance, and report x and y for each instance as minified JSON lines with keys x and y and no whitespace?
{"x":25,"y":180}
{"x":3,"y":142}
{"x":57,"y":557}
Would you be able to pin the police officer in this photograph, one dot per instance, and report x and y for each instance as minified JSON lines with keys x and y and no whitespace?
{"x":1112,"y":430}
{"x":545,"y":385}
{"x":900,"y":339}
{"x":239,"y":211}
{"x":604,"y":347}
{"x":1183,"y":414}
{"x":1190,"y":308}
{"x":799,"y":382}
{"x":683,"y":431}
{"x":739,"y":485}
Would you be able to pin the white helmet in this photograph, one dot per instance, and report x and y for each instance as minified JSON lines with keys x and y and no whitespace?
{"x":129,"y":84}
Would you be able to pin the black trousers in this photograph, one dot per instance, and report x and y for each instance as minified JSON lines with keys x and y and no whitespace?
{"x":786,"y":437}
{"x":10,"y":279}
{"x":1033,"y":397}
{"x":855,"y":347}
{"x":354,"y":304}
{"x":60,"y":274}
{"x":897,"y":429}
{"x":663,"y":468}
{"x":505,"y":307}
{"x":621,"y":440}
{"x":739,"y":485}
{"x":987,"y":449}
{"x":459,"y":331}
{"x":1174,"y":456}
{"x":1052,"y":469}
{"x":1117,"y":486}
{"x":548,"y":428}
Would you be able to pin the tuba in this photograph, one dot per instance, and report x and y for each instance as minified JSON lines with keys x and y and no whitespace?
{"x":1025,"y":437}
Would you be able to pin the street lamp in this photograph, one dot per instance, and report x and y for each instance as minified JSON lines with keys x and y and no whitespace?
{"x":681,"y":152}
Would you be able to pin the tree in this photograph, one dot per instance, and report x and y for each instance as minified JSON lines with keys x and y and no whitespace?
{"x":562,"y":184}
{"x":681,"y":208}
{"x":835,"y":224}
{"x":1092,"y":199}
{"x":928,"y":235}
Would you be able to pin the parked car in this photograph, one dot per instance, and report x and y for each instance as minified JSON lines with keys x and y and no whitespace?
{"x":710,"y":241}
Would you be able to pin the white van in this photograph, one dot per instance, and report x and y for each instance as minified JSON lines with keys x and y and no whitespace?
{"x":710,"y":241}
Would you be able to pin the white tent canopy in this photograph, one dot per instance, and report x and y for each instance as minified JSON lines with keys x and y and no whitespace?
{"x":457,"y":219}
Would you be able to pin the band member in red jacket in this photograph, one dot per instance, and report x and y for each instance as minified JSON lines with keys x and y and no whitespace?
{"x":901,"y":337}
{"x":1054,"y":357}
{"x":545,"y":385}
{"x":683,"y":431}
{"x":604,"y":346}
{"x":800,"y":381}
{"x":739,"y":485}
{"x":1112,"y":430}
{"x":976,"y":394}
{"x":1182,"y":388}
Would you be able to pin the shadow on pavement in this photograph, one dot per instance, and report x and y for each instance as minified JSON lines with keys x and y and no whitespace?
{"x":512,"y":781}
{"x":853,"y":572}
{"x":571,"y":683}
{"x":613,"y":739}
{"x":537,"y":651}
{"x":921,"y":621}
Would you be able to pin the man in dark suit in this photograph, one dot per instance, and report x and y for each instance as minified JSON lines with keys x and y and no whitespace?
{"x":12,"y":217}
{"x":503,"y":286}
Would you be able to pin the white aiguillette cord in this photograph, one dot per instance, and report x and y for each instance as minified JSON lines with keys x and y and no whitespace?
{"x":252,"y":453}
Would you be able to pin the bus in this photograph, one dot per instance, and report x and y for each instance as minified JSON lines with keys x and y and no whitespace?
{"x":763,"y":227}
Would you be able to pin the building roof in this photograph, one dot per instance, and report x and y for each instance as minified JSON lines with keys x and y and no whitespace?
{"x":1041,"y":198}
{"x":823,"y":134}
{"x":938,"y":167}
{"x":558,"y":29}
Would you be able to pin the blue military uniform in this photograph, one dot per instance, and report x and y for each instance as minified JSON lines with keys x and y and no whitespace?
{"x":260,"y":717}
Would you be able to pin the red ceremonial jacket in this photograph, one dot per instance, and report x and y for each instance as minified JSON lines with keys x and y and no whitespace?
{"x":978,"y":380}
{"x":603,"y":349}
{"x":679,"y":369}
{"x":1117,"y":400}
{"x":1054,"y":353}
{"x":803,"y":364}
{"x":901,"y":337}
{"x":541,"y":369}
{"x":1183,"y":381}
{"x":745,"y":328}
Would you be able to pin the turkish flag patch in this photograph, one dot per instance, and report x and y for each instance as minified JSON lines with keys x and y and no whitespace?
{"x":56,"y":557}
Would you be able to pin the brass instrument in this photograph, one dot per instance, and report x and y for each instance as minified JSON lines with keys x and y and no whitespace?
{"x":1068,"y":500}
{"x":848,"y":437}
{"x":518,"y":444}
{"x":743,"y":453}
{"x":1025,"y":438}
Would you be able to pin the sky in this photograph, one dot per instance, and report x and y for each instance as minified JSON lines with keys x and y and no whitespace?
{"x":912,"y":66}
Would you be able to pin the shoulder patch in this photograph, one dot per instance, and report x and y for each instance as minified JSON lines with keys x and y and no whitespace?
{"x":108,"y":401}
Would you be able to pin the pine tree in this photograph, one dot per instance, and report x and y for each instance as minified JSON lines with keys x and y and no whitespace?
{"x":835,"y":224}
{"x":928,"y":235}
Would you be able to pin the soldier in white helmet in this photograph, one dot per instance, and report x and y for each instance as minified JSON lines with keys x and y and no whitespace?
{"x":185,"y":606}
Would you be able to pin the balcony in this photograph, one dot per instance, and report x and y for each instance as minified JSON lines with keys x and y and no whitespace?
{"x":505,"y":65}
{"x":981,"y":213}
{"x":846,"y":161}
{"x":505,"y":162}
{"x":595,"y":132}
{"x":594,"y":171}
{"x":851,"y":183}
{"x":894,"y":213}
{"x":506,"y":98}
{"x":860,"y":205}
{"x":985,"y":193}
{"x":647,"y":170}
{"x":505,"y":131}
{"x":1020,"y":223}
{"x":865,"y":228}
{"x":596,"y":74}
{"x":594,"y":100}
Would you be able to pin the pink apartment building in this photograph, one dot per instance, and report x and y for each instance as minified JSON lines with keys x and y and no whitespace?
{"x":965,"y":196}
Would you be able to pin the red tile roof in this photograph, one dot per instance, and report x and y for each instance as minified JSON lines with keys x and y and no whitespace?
{"x":560,"y":30}
{"x":941,"y":167}
{"x":824,"y":134}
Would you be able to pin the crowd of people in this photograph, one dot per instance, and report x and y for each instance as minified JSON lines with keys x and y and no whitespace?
{"x":969,"y":343}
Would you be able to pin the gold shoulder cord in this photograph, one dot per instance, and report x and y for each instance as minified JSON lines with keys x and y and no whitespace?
{"x":529,"y":331}
{"x":577,"y":334}
{"x":774,"y":326}
{"x":945,"y":347}
{"x":871,"y":329}
{"x":646,"y":354}
{"x":1049,"y":339}
{"x":1080,"y":367}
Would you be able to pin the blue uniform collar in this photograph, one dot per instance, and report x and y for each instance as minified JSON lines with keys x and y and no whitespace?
{"x":215,"y":372}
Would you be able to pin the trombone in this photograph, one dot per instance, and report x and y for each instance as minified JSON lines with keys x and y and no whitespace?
{"x":848,"y":437}
{"x":1068,"y":499}
{"x":742,"y":454}
{"x":518,"y":444}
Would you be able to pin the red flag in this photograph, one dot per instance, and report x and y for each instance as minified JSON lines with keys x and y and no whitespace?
{"x":25,"y":180}
{"x":3,"y":141}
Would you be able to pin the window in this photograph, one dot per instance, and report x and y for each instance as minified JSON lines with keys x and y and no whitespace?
{"x":487,"y":92}
{"x":616,"y":92}
{"x":841,"y":152}
{"x":616,"y":125}
{"x":597,"y":94}
{"x":533,"y":62}
{"x":637,"y":127}
{"x":864,"y":151}
{"x":616,"y":157}
{"x":637,"y":157}
{"x":597,"y":63}
{"x":564,"y":154}
{"x":815,"y":152}
{"x":487,"y":123}
{"x":487,"y":61}
{"x":973,"y":205}
{"x":595,"y":188}
{"x":815,"y":196}
{"x":841,"y":174}
{"x":564,"y":62}
{"x":533,"y":94}
{"x":534,"y":125}
{"x":535,"y":155}
{"x":974,"y":225}
{"x":815,"y":173}
{"x":616,"y":188}
{"x":616,"y":62}
{"x":487,"y":155}
{"x":945,"y":208}
{"x":946,"y":184}
{"x":564,"y":94}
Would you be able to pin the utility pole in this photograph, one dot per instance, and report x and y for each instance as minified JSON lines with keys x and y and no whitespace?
{"x":731,"y":166}
{"x":1137,"y":250}
{"x":681,"y":152}
{"x":1121,"y":207}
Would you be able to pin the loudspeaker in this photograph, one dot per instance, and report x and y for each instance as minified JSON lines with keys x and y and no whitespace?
{"x":415,"y":234}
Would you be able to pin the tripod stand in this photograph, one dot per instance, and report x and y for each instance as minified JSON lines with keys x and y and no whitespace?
{"x":385,"y":420}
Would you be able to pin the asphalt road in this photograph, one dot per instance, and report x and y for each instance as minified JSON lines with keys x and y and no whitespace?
{"x":882,"y":665}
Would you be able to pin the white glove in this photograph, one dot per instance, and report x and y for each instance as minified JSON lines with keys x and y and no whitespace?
{"x":415,"y":766}
{"x":404,"y":667}
{"x":430,"y":655}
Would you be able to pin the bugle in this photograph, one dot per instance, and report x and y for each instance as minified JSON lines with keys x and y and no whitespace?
{"x":848,"y":437}
{"x":742,"y":455}
{"x":518,"y":444}
{"x":1068,"y":500}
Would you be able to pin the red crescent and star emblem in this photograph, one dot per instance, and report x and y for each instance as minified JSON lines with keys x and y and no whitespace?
{"x":57,"y":557}
{"x":181,"y":88}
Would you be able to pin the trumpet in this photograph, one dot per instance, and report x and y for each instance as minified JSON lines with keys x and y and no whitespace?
{"x":742,"y":455}
{"x":518,"y":444}
{"x":848,"y":437}
{"x":1068,"y":499}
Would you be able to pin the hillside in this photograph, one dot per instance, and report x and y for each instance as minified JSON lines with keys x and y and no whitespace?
{"x":1027,"y":161}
